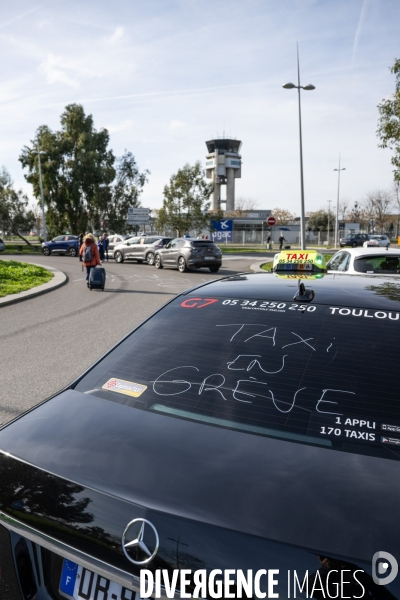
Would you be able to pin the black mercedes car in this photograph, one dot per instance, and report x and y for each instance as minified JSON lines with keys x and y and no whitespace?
{"x":244,"y":440}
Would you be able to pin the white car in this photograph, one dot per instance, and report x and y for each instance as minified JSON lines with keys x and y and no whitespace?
{"x":381,"y":241}
{"x":370,"y":261}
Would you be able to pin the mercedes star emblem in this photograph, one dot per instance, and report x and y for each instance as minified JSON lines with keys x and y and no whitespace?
{"x":143,"y":540}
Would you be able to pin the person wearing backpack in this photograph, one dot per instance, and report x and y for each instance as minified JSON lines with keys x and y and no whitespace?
{"x":90,"y":254}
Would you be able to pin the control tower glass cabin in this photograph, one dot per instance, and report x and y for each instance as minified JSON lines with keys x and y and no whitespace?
{"x":223,"y":166}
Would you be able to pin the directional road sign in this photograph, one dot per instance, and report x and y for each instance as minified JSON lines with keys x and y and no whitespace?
{"x":139,"y":211}
{"x":138,"y":218}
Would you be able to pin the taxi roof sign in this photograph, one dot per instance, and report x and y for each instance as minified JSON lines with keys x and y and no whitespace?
{"x":303,"y":261}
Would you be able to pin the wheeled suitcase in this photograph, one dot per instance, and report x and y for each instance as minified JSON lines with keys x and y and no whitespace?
{"x":97,"y":278}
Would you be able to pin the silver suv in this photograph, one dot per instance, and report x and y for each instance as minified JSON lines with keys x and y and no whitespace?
{"x":141,"y":249}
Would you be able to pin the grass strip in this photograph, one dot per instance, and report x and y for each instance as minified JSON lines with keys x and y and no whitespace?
{"x":18,"y":277}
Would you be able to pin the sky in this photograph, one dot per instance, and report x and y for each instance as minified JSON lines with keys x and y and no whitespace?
{"x":165,"y":76}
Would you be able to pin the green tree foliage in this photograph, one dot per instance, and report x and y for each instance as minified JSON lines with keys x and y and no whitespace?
{"x":186,"y":201}
{"x":14,"y":214}
{"x":318,"y":220}
{"x":389,"y":122}
{"x":77,"y":170}
{"x":125,"y":192}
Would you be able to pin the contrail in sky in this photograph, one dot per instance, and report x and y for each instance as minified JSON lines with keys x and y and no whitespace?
{"x":11,"y":21}
{"x":358,"y":31}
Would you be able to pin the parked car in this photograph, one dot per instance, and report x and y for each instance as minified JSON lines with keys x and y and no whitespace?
{"x":236,"y":428}
{"x":2,"y":246}
{"x":141,"y":248}
{"x":115,"y":239}
{"x":62,"y":244}
{"x":373,"y":261}
{"x":189,"y":253}
{"x":381,"y":241}
{"x":354,"y":240}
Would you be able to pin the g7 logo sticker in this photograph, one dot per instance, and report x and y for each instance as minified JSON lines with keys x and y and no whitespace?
{"x":198,"y":302}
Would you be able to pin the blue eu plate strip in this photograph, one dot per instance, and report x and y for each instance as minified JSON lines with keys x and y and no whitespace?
{"x":68,"y":577}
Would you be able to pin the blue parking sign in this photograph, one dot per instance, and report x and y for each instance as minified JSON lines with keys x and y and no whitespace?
{"x":223,"y":230}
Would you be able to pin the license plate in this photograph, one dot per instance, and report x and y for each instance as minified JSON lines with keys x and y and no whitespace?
{"x":77,"y":583}
{"x":209,"y":257}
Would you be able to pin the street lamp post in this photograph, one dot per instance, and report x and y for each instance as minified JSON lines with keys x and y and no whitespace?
{"x":329,"y":214}
{"x":289,"y":86}
{"x":39,"y":152}
{"x":337,"y":203}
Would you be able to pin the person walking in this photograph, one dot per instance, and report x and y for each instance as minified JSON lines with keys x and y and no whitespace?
{"x":281,"y":240}
{"x":100,"y":248}
{"x":90,"y":254}
{"x":106,"y":241}
{"x":80,"y":242}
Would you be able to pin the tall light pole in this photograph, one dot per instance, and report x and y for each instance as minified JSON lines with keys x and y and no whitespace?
{"x":39,"y":152}
{"x":329,"y":215}
{"x":337,"y":203}
{"x":290,"y":86}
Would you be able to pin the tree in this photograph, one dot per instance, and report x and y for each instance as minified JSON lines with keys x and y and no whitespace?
{"x":389,"y":122}
{"x":14,"y":215}
{"x":125,"y":192}
{"x":318,"y":220}
{"x":77,"y":170}
{"x":186,"y":201}
{"x":242,"y":207}
{"x":343,"y":208}
{"x":378,"y":205}
{"x":282,"y":216}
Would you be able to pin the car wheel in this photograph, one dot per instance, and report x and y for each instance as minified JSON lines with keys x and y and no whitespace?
{"x":150,"y":258}
{"x":72,"y":252}
{"x":46,"y":251}
{"x":118,"y":257}
{"x":157,"y":262}
{"x":182,"y":268}
{"x":354,"y":245}
{"x":214,"y":269}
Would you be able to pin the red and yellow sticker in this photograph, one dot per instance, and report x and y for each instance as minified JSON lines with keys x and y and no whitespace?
{"x":121,"y":386}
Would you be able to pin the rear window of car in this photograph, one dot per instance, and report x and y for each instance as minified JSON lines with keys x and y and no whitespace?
{"x":385,"y":264}
{"x":203,"y":244}
{"x":318,"y":374}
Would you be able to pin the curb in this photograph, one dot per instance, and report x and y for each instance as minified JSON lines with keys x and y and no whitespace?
{"x":57,"y":281}
{"x":257,"y":266}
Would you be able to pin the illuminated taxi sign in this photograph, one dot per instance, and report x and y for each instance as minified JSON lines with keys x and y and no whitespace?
{"x":305,"y":261}
{"x":299,"y":275}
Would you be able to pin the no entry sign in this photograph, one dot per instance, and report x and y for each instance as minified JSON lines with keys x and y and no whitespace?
{"x":271,"y":221}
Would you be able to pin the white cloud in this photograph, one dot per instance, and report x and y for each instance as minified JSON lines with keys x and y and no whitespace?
{"x":117,"y":36}
{"x":124,"y":126}
{"x":53,"y":73}
{"x":43,"y":24}
{"x":176,"y":124}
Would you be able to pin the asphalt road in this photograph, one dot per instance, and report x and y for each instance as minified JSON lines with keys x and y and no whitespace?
{"x":47,"y":341}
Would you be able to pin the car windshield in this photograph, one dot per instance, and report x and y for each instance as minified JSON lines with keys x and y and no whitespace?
{"x":266,"y":368}
{"x":385,"y":264}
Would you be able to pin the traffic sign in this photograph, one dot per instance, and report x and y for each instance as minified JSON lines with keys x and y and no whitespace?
{"x":138,"y":218}
{"x":139,"y":211}
{"x":271,"y":221}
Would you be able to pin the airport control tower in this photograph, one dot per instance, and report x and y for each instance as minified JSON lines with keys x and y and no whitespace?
{"x":223,"y":166}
